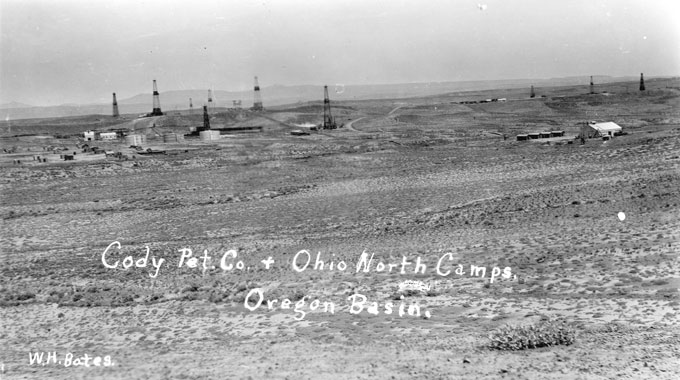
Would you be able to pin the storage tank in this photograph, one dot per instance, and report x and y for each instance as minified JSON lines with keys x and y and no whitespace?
{"x":210,"y":135}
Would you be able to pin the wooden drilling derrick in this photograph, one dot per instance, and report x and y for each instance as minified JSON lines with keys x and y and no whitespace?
{"x":115,"y":106}
{"x":206,"y":119}
{"x":257,"y":102}
{"x":328,"y":119}
{"x":156,"y":101}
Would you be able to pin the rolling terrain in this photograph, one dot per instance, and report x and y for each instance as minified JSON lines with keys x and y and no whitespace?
{"x":589,"y":232}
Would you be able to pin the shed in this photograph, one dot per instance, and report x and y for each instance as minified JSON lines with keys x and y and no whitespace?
{"x":522,"y":137}
{"x":534,"y":136}
{"x":544,"y":135}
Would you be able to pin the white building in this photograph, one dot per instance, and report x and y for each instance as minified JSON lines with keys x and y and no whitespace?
{"x":90,"y":135}
{"x":108,"y":135}
{"x":608,"y":128}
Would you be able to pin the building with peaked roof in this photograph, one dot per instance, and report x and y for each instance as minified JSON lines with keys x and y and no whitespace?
{"x":608,"y":128}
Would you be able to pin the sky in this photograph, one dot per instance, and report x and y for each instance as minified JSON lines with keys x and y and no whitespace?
{"x":80,"y":51}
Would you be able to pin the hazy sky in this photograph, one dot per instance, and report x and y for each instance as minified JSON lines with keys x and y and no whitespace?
{"x":68,"y":51}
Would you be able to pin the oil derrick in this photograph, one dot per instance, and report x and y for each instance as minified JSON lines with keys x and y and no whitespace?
{"x":115,"y":106}
{"x":156,"y":101}
{"x":533,"y":94}
{"x":592,"y":86}
{"x":328,"y":120}
{"x":257,"y":103}
{"x":206,"y":119}
{"x":642,"y":82}
{"x":191,"y":107}
{"x":210,"y":100}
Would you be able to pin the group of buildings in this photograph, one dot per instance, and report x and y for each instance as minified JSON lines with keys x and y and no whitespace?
{"x":589,"y":130}
{"x":103,"y":136}
{"x":115,"y":135}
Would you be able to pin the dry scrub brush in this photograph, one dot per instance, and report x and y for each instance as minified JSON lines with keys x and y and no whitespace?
{"x":542,"y":334}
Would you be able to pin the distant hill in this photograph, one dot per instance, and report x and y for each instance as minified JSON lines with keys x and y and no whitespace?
{"x":14,"y":105}
{"x":279,"y":95}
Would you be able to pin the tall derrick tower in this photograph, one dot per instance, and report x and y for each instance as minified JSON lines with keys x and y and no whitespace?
{"x":211,"y":106}
{"x":257,"y":102}
{"x":191,"y":107}
{"x":115,"y":106}
{"x":533,"y":94}
{"x":156,"y":101}
{"x":642,"y":82}
{"x":328,"y":120}
{"x":592,"y":85}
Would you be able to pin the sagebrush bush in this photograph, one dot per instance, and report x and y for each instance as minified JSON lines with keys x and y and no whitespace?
{"x":542,"y":334}
{"x":297,"y":295}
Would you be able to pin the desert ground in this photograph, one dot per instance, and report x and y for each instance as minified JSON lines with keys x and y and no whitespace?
{"x":582,"y":235}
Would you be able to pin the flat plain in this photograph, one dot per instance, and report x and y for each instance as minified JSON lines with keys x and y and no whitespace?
{"x":590,"y":232}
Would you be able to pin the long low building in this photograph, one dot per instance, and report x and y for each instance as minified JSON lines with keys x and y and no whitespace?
{"x":108,"y":136}
{"x":135,"y":139}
